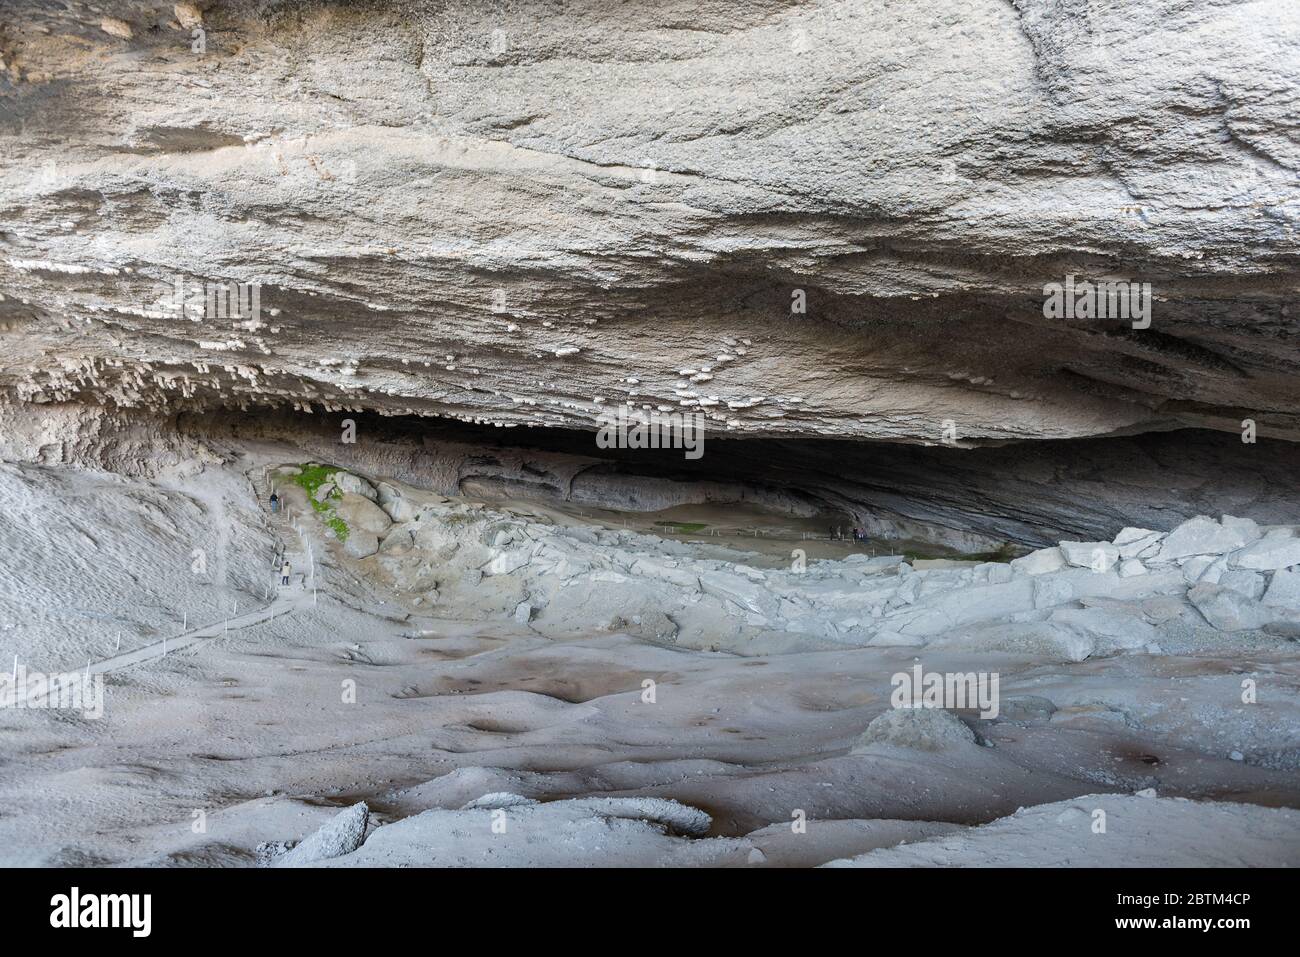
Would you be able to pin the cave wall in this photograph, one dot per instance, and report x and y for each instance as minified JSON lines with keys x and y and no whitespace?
{"x":1028,"y":493}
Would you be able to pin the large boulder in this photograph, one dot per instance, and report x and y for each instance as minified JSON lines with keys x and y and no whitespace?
{"x":361,"y":513}
{"x":1202,"y":535}
{"x":354,"y":485}
{"x":398,"y":506}
{"x":1228,"y":610}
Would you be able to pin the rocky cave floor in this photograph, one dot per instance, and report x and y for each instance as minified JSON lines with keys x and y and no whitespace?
{"x":505,"y":681}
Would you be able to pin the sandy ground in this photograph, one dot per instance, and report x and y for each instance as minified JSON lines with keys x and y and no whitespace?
{"x":261,"y":730}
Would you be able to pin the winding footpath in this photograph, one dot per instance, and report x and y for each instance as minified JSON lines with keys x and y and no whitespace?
{"x":288,"y":598}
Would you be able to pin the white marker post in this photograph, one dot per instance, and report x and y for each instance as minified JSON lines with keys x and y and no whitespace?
{"x":15,"y":667}
{"x":119,"y":643}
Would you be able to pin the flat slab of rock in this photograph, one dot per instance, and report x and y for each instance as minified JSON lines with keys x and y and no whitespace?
{"x":1040,"y":562}
{"x":1202,"y":535}
{"x":1277,"y":549}
{"x":1136,"y":542}
{"x":1099,"y":556}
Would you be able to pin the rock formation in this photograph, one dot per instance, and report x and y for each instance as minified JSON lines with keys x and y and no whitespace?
{"x":313,"y":318}
{"x":800,"y":219}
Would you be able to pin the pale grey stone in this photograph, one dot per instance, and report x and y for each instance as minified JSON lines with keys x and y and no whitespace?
{"x":361,"y":543}
{"x":923,"y":729}
{"x":1278,"y":549}
{"x":1131,"y":567}
{"x":343,"y":834}
{"x":1243,"y":581}
{"x":1248,"y":527}
{"x":354,"y":485}
{"x":1098,"y":556}
{"x":1194,"y":568}
{"x":1201,"y":535}
{"x":361,"y":513}
{"x":1131,"y":542}
{"x":504,"y":563}
{"x":1228,"y":610}
{"x":1109,"y":630}
{"x":1049,"y":592}
{"x":1284,"y":590}
{"x":1040,"y":562}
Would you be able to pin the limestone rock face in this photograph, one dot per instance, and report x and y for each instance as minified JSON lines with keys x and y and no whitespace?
{"x":798,"y":218}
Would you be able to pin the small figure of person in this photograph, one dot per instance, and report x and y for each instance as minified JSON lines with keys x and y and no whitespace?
{"x":275,"y":502}
{"x":284,"y":573}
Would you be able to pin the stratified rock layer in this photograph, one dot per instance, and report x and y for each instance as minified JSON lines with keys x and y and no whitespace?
{"x":529,"y":214}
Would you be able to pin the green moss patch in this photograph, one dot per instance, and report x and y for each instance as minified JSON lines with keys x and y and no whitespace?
{"x":310,"y":479}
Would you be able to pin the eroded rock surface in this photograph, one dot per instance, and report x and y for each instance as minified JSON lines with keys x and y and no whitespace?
{"x":526,"y":214}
